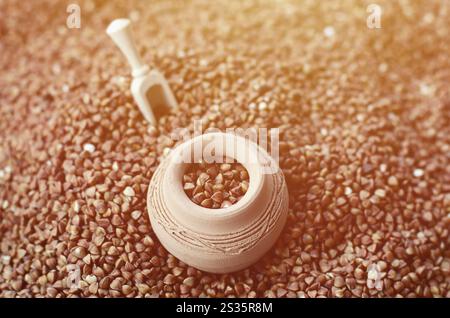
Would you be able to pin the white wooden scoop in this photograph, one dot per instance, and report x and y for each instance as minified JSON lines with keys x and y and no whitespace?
{"x":149,"y":88}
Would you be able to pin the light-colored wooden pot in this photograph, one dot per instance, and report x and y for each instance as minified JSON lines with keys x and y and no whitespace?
{"x":218,"y":240}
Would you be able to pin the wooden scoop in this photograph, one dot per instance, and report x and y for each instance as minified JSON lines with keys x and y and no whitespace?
{"x":149,"y":88}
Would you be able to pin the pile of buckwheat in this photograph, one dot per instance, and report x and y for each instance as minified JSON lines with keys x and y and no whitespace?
{"x":364,"y":119}
{"x":216,"y":185}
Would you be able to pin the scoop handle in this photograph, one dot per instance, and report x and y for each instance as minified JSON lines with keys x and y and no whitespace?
{"x":120,"y":32}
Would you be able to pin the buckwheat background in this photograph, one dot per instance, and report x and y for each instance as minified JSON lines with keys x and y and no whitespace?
{"x":364,"y":116}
